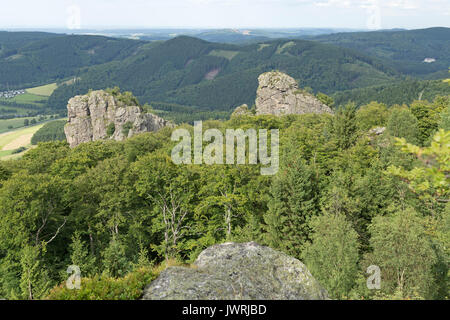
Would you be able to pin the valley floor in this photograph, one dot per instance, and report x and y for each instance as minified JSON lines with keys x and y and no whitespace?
{"x":12,"y":140}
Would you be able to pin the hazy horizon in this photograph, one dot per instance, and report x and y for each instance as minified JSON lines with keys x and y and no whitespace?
{"x":225,"y":14}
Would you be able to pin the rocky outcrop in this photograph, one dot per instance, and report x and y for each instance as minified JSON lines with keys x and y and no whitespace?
{"x":242,"y":110}
{"x":279,"y":94}
{"x":233,"y":271}
{"x":377,"y":131}
{"x":100,"y":115}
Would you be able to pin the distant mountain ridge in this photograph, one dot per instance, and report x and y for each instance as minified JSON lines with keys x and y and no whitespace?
{"x":28,"y":59}
{"x":222,"y":35}
{"x":187,"y":72}
{"x":404,"y":50}
{"x":175,"y":71}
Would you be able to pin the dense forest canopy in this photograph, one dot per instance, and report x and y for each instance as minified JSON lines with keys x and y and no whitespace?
{"x":385,"y":194}
{"x":366,"y":185}
{"x":29,"y":59}
{"x":404,"y":50}
{"x":176,"y":71}
{"x":400,"y":92}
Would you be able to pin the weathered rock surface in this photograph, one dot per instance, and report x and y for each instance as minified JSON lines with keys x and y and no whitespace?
{"x":377,"y":131}
{"x":242,"y":110}
{"x":94,"y":116}
{"x":233,"y":271}
{"x":279,"y":94}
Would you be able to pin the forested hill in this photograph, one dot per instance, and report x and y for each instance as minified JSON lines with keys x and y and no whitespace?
{"x":192,"y":72}
{"x":187,"y":73}
{"x":34,"y":58}
{"x":404,"y":50}
{"x":10,"y":42}
{"x":402,"y":92}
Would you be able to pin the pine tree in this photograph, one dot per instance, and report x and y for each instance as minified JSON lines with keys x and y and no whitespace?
{"x":80,"y":256}
{"x":293,"y":202}
{"x":115,"y":261}
{"x":142,"y":260}
{"x":344,"y":126}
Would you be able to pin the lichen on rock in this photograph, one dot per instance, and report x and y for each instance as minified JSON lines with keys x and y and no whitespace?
{"x":237,"y":271}
{"x":279,"y":94}
{"x":242,"y":110}
{"x":91,"y":117}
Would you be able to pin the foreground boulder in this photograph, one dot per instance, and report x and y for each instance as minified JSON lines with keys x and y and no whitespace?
{"x":100,"y":115}
{"x":237,"y":271}
{"x":279,"y":94}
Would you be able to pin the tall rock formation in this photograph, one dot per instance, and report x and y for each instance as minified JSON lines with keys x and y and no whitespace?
{"x":279,"y":94}
{"x":100,"y":115}
{"x":237,"y":271}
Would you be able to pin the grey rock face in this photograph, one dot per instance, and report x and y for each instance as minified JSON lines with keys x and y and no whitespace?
{"x":279,"y":94}
{"x":377,"y":131}
{"x":242,"y":110}
{"x":91,"y":117}
{"x":237,"y":271}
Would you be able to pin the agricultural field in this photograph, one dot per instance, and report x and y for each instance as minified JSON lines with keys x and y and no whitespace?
{"x":46,"y":90}
{"x":16,"y":123}
{"x":11,"y":124}
{"x":31,"y":101}
{"x":22,"y":104}
{"x":227,"y":54}
{"x":27,"y":98}
{"x":13,"y":140}
{"x":6,"y":110}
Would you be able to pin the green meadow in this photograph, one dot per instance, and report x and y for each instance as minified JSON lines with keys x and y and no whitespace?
{"x":45,"y":90}
{"x":11,"y":124}
{"x":33,"y":99}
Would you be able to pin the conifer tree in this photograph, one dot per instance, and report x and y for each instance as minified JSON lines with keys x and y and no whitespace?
{"x":115,"y":260}
{"x":344,"y":126}
{"x":80,"y":256}
{"x":292,"y":203}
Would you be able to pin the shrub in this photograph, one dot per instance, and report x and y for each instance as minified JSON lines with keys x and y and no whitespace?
{"x":403,"y":124}
{"x":127,"y":98}
{"x":126,"y":128}
{"x":19,"y":150}
{"x":103,"y":287}
{"x":110,"y":129}
{"x":147,"y":108}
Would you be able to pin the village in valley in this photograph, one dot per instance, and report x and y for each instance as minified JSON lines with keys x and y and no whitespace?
{"x":11,"y":93}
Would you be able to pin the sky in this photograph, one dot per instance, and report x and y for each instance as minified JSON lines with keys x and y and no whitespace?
{"x":358,"y":14}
